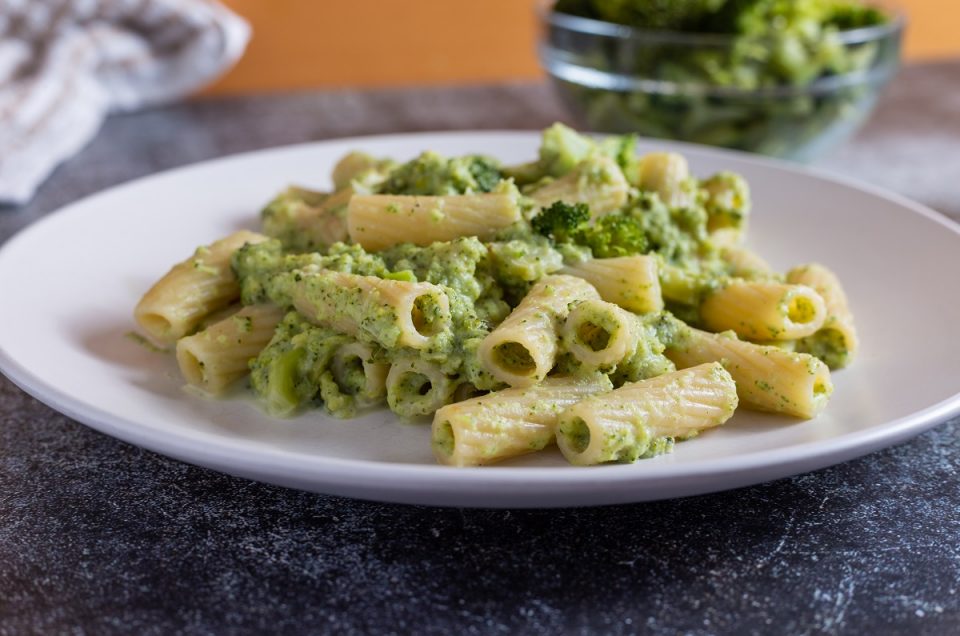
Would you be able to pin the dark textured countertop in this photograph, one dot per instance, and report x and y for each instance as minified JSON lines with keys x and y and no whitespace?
{"x":97,"y":536}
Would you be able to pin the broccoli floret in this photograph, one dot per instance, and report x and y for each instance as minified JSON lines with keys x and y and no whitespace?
{"x":561,"y":221}
{"x":609,"y":236}
{"x":431,"y":174}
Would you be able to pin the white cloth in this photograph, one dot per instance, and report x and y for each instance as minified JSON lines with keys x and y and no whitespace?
{"x":66,"y":64}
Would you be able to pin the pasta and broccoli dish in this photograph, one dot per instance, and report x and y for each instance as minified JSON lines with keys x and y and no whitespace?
{"x":595,"y":297}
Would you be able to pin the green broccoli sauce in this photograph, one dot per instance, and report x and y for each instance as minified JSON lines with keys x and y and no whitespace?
{"x":829,"y":345}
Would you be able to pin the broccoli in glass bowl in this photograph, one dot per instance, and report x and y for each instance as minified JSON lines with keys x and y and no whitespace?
{"x":788,"y":78}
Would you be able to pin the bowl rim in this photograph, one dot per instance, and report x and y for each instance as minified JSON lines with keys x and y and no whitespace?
{"x":586,"y":77}
{"x":591,"y":26}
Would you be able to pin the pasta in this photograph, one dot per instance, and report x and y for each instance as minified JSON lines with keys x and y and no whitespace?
{"x":768,"y":378}
{"x":377,"y":222}
{"x":507,"y":423}
{"x":598,"y":182}
{"x":664,"y":173}
{"x":764,"y":311}
{"x":193,"y":289}
{"x":523,"y":349}
{"x":644,"y":418}
{"x":416,"y":387}
{"x":599,"y":334}
{"x":388,"y":312}
{"x":629,"y":281}
{"x":218,"y":356}
{"x":745,"y":263}
{"x":360,"y":372}
{"x":591,"y":297}
{"x":836,"y":341}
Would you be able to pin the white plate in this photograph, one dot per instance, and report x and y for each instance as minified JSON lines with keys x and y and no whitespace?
{"x":69,"y":284}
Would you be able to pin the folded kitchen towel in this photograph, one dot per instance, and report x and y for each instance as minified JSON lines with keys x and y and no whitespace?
{"x":66,"y":64}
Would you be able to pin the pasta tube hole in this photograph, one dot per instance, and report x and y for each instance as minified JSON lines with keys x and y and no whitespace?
{"x":427,"y":316}
{"x":349,"y":373}
{"x":821,"y":388}
{"x":515,"y":358}
{"x":191,"y":367}
{"x":155,"y":324}
{"x":593,"y":336}
{"x":444,"y":439}
{"x":801,"y":310}
{"x":414,"y":383}
{"x":576,"y":433}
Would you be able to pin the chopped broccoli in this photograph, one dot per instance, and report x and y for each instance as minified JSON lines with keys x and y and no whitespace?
{"x":561,"y":221}
{"x":614,"y":235}
{"x":609,"y":236}
{"x":749,"y":17}
{"x":674,"y":15}
{"x":432,"y":174}
{"x":562,"y":148}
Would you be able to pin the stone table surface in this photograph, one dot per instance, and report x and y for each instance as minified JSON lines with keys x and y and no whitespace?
{"x":98,"y":536}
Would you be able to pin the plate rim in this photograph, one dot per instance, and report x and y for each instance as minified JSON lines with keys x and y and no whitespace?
{"x":339,"y":476}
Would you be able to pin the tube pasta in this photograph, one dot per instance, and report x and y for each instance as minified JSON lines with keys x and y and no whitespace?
{"x":664,"y":173}
{"x":764,"y":310}
{"x":358,"y":372}
{"x":836,"y":342}
{"x":768,"y":378}
{"x":194,"y":288}
{"x":507,"y":423}
{"x":597,"y":181}
{"x":727,"y":204}
{"x":355,"y":165}
{"x":379,"y":221}
{"x":392,"y":313}
{"x":747,"y":264}
{"x":642,"y":419}
{"x":218,"y":356}
{"x":632,"y":282}
{"x":600,"y":334}
{"x":416,"y":387}
{"x":523,"y":348}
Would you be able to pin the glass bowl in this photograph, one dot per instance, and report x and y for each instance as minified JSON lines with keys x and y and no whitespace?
{"x":735,"y":92}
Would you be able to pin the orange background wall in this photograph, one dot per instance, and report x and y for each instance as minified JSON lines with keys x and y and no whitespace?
{"x":320,"y":43}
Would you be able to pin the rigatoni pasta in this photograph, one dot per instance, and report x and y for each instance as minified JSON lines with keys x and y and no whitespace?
{"x":507,"y":423}
{"x":836,"y":341}
{"x":600,"y":335}
{"x":764,"y":310}
{"x":377,"y":221}
{"x":596,"y":181}
{"x":192,"y":290}
{"x":633,"y":282}
{"x":389,"y":312}
{"x":768,"y":378}
{"x":645,"y":418}
{"x":523,"y":348}
{"x":218,"y":356}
